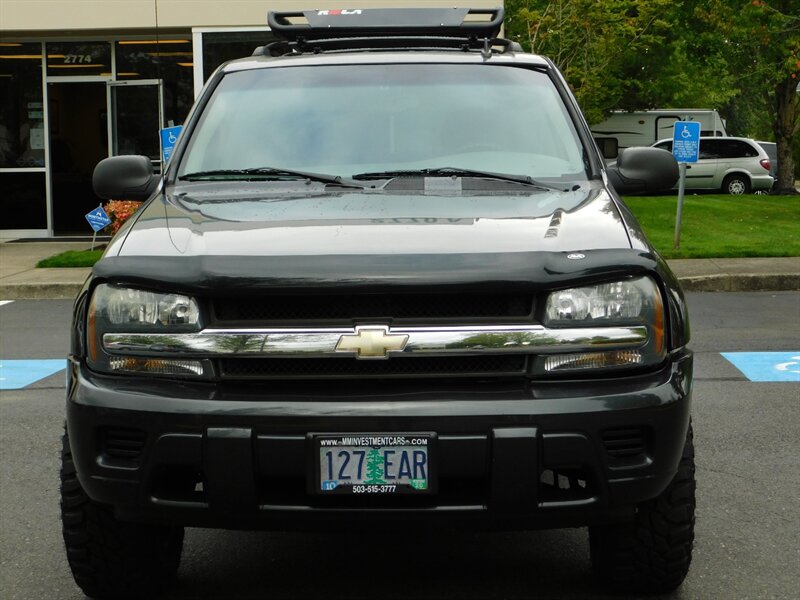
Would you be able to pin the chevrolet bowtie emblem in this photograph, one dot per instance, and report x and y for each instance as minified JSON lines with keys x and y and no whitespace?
{"x":372,"y":342}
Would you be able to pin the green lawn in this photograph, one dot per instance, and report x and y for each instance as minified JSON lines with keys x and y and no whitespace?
{"x":720,"y":226}
{"x":72,"y":258}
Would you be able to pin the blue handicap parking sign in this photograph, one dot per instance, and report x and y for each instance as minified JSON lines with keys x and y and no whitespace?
{"x":767,"y":366}
{"x":98,"y":218}
{"x":169,"y":137}
{"x":686,"y":141}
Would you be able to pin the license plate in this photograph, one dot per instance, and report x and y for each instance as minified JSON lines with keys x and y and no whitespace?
{"x":374,"y":464}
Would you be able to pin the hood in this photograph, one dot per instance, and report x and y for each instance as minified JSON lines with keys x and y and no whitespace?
{"x":267,"y":236}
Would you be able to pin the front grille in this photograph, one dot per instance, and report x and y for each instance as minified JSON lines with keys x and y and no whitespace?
{"x":349,"y":308}
{"x":348,"y":368}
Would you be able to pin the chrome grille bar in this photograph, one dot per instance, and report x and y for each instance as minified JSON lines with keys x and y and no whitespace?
{"x":376,"y":341}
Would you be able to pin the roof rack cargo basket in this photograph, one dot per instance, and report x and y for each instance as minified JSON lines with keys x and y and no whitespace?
{"x":387,"y":22}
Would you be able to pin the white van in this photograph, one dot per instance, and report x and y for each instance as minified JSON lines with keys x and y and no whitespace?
{"x":729,"y":164}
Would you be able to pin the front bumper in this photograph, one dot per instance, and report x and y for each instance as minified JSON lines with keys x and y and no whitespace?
{"x":508,"y":455}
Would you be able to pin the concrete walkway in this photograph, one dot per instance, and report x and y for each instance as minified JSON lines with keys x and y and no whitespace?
{"x":19,"y":277}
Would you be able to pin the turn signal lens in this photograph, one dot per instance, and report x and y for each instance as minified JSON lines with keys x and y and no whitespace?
{"x":156,"y":366}
{"x":592,"y":360}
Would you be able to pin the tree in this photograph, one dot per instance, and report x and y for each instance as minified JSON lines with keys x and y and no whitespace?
{"x":587,"y":40}
{"x":763,"y":45}
{"x":375,"y":462}
{"x":739,"y":56}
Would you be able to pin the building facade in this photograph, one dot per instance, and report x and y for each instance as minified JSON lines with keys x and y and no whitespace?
{"x":81,"y":80}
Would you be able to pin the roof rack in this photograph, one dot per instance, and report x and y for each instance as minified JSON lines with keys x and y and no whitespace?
{"x":311,"y":25}
{"x":486,"y":45}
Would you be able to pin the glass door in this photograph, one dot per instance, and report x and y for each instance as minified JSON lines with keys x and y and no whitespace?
{"x":78,"y":140}
{"x":136,"y":114}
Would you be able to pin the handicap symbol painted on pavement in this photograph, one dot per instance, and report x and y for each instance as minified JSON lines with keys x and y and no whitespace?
{"x":16,"y":374}
{"x":767,"y":366}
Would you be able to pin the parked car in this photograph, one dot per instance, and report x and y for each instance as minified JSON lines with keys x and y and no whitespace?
{"x":771,"y":148}
{"x":731,"y":164}
{"x":386,"y":280}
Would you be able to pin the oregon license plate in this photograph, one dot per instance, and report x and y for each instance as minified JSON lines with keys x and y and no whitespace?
{"x":374,"y":464}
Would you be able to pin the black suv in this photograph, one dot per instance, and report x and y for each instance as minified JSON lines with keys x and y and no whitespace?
{"x":385,"y":281}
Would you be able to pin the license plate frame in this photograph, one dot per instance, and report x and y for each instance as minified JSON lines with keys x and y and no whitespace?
{"x":321,"y":443}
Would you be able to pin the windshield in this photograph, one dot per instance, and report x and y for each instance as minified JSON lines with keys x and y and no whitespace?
{"x":347,"y":120}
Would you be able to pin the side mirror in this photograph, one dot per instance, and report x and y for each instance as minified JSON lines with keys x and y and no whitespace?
{"x":643,"y":170}
{"x":124,"y":178}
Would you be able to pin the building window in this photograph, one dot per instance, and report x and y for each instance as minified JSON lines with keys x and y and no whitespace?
{"x":169,"y":60}
{"x":21,"y":109}
{"x":79,"y":58}
{"x":222,"y":46}
{"x":24,"y":200}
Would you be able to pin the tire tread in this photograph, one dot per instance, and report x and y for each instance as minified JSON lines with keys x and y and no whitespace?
{"x":653,"y":553}
{"x":110,"y":558}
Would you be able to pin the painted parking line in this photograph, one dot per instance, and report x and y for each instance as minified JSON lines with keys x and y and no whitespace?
{"x":767,"y":366}
{"x":16,"y":374}
{"x":2,"y":302}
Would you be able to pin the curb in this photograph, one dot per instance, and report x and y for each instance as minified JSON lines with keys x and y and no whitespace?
{"x":746,"y":282}
{"x":39,"y":291}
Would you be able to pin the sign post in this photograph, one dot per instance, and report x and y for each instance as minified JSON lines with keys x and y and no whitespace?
{"x":97,"y":219}
{"x":685,"y":149}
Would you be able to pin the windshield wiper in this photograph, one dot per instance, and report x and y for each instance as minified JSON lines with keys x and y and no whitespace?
{"x":263,"y":173}
{"x":459,"y":172}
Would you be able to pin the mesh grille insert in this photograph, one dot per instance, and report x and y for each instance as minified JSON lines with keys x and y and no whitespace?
{"x":374,"y":306}
{"x":338,"y":368}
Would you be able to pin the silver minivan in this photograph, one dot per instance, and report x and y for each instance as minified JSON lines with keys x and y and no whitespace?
{"x":730,"y":164}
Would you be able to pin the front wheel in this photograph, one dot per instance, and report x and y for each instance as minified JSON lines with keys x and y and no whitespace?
{"x":111,"y":558}
{"x":736,"y":184}
{"x":652,"y":553}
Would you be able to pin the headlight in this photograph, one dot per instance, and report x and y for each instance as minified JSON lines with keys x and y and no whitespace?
{"x":116,"y":309}
{"x":635,"y":302}
{"x":141,"y":309}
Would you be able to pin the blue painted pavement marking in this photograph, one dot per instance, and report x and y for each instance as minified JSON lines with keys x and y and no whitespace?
{"x":16,"y":374}
{"x":767,"y":366}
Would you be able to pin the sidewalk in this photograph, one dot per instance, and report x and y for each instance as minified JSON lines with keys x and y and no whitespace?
{"x":20,"y":279}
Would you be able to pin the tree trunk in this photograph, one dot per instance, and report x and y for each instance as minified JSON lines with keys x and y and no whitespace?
{"x":787,"y":124}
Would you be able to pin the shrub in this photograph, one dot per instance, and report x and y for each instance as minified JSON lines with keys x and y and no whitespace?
{"x":119,"y":211}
